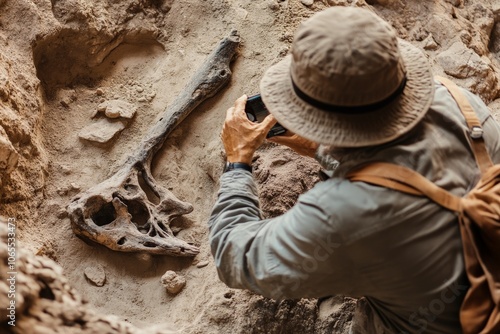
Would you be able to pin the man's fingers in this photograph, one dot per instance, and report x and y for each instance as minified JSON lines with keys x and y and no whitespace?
{"x":239,"y":105}
{"x":268,"y":122}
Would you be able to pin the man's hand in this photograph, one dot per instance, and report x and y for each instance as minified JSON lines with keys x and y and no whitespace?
{"x":240,"y":136}
{"x":299,"y":144}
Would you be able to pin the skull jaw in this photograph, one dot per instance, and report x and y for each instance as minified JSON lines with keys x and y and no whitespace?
{"x":128,"y":222}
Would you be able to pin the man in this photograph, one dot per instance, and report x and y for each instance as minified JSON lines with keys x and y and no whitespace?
{"x":352,"y":91}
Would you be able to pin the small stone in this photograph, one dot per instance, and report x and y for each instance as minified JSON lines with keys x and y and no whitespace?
{"x":139,"y":89}
{"x":307,"y":2}
{"x":102,"y":107}
{"x":99,"y":92}
{"x":117,"y":108}
{"x":430,"y":43}
{"x":62,"y":191}
{"x":62,"y":213}
{"x":101,"y":131}
{"x":202,"y":264}
{"x":142,"y":99}
{"x":229,"y":294}
{"x":96,"y":275}
{"x":273,"y":5}
{"x":241,"y":13}
{"x":173,"y":282}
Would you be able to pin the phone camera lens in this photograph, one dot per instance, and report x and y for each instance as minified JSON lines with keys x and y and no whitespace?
{"x":251,"y":117}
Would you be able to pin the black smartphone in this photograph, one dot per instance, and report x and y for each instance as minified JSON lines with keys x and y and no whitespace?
{"x":256,"y":112}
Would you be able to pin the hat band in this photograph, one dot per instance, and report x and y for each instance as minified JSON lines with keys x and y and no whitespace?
{"x":349,"y":109}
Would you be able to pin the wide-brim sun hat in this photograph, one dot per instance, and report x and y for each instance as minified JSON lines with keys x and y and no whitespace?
{"x":349,"y":81}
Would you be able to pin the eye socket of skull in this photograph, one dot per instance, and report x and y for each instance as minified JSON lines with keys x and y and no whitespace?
{"x":139,"y":212}
{"x":100,"y":211}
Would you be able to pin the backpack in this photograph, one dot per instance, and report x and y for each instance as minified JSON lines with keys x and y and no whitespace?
{"x":479,"y":218}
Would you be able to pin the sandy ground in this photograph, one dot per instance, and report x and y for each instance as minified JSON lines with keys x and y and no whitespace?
{"x":60,"y":59}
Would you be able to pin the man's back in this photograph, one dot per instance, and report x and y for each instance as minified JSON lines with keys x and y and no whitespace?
{"x":402,"y":252}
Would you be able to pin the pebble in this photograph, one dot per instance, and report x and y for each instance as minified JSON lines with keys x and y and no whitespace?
{"x":173,"y":282}
{"x":62,"y":213}
{"x":96,"y":275}
{"x":99,"y":92}
{"x":139,"y":89}
{"x":273,"y":5}
{"x":307,"y":2}
{"x":202,"y":264}
{"x":101,"y":131}
{"x":117,"y":108}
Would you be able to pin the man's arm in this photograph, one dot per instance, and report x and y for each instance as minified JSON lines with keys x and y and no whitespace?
{"x":294,"y":255}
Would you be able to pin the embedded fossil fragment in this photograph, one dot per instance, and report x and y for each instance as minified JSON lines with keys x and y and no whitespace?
{"x":129,"y":211}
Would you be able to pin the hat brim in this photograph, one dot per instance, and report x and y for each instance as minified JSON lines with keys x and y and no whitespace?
{"x":351,"y":130}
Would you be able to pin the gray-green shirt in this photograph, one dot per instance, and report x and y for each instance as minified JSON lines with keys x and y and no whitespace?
{"x":401,"y":252}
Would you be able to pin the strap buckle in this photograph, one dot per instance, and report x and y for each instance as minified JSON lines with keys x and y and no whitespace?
{"x":476,"y":132}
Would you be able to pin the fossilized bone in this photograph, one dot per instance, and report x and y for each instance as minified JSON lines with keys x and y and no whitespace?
{"x":121,"y":212}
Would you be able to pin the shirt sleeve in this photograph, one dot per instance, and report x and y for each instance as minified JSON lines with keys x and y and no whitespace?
{"x":295,"y":255}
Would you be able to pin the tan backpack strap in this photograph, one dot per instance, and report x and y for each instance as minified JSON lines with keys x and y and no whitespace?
{"x":406,"y":180}
{"x":476,"y":140}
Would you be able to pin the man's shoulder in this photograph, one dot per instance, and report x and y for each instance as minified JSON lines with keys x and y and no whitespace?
{"x":443,"y":97}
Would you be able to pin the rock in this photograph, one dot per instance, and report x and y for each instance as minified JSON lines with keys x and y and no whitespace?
{"x":273,"y":5}
{"x":62,"y":213}
{"x":443,"y":28}
{"x":482,"y":17}
{"x":307,"y":2}
{"x":241,"y":13}
{"x":430,"y":43}
{"x":173,"y":282}
{"x":202,"y":264}
{"x":96,"y":275}
{"x":461,"y":62}
{"x":66,"y":97}
{"x":8,"y":154}
{"x":99,"y":92}
{"x":117,"y":108}
{"x":73,"y":187}
{"x":101,"y":131}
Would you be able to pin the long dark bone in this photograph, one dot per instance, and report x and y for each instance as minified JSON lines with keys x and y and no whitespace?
{"x":118,"y":213}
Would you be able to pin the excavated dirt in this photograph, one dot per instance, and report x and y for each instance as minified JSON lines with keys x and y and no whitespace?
{"x":61,"y":59}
